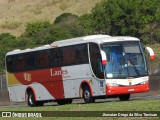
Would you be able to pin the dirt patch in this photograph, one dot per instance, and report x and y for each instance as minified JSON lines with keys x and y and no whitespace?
{"x":4,"y":99}
{"x":4,"y":96}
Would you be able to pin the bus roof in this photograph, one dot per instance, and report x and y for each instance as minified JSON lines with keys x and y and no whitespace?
{"x":18,"y":51}
{"x":93,"y":38}
{"x":86,"y":39}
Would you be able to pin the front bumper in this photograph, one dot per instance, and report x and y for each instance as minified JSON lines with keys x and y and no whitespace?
{"x":126,"y":89}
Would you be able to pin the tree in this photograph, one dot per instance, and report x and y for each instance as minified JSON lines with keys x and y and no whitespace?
{"x":51,"y":34}
{"x":87,"y":22}
{"x":33,"y":28}
{"x":8,"y":42}
{"x":127,"y":17}
{"x":71,"y":23}
{"x":65,"y":16}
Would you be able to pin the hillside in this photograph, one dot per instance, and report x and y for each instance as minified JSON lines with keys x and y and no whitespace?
{"x":15,"y":14}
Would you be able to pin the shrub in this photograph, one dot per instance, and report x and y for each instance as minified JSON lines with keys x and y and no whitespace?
{"x":65,"y":17}
{"x":33,"y":28}
{"x":8,"y":42}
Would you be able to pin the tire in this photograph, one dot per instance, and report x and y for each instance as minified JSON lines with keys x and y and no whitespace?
{"x":124,"y":97}
{"x":87,"y":95}
{"x":63,"y":102}
{"x":31,"y":99}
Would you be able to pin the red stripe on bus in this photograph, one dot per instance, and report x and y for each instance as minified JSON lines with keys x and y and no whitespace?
{"x":56,"y":89}
{"x":44,"y":75}
{"x":51,"y":79}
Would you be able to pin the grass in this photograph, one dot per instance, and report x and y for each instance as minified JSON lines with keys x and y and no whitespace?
{"x":12,"y":24}
{"x":132,"y":105}
{"x":26,"y":11}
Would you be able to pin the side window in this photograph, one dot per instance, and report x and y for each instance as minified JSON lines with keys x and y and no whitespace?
{"x":56,"y":57}
{"x":81,"y":54}
{"x":75,"y":54}
{"x":19,"y":62}
{"x":69,"y":55}
{"x":31,"y":60}
{"x":43,"y":59}
{"x":64,"y":54}
{"x":95,"y":59}
{"x":9,"y":61}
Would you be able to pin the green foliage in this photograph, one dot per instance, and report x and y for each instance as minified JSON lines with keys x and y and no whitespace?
{"x":64,"y":16}
{"x":40,"y":33}
{"x":128,"y":17}
{"x":8,"y":42}
{"x":53,"y":33}
{"x":71,"y":23}
{"x":73,"y":27}
{"x":33,"y":28}
{"x":87,"y":21}
{"x":30,"y":37}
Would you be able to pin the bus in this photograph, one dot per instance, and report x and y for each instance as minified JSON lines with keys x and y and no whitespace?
{"x":89,"y":67}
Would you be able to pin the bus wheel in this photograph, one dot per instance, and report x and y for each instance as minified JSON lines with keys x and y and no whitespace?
{"x":31,"y":100}
{"x":124,"y":97}
{"x":87,"y":95}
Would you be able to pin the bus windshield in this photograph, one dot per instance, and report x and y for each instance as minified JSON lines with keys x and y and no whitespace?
{"x":124,"y":59}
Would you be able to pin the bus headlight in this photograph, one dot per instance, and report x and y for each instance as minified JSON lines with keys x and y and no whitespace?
{"x":144,"y":82}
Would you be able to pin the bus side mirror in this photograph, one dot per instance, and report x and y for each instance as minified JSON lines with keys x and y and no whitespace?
{"x":104,"y":58}
{"x":151,"y":53}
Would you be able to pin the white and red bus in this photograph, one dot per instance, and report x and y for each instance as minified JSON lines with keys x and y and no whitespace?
{"x":90,"y":67}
